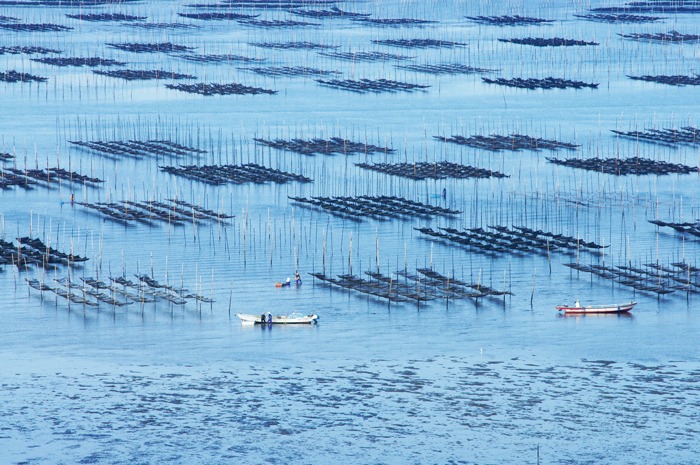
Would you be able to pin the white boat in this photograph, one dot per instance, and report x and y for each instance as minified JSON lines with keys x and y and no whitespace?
{"x":577,"y":308}
{"x":291,"y":319}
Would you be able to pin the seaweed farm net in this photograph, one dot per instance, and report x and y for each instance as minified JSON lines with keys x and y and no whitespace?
{"x":550,"y":42}
{"x":273,"y":4}
{"x":17,"y":49}
{"x":276,"y":71}
{"x":276,"y":23}
{"x":544,"y":83}
{"x":216,"y":16}
{"x":684,"y":135}
{"x":507,"y":20}
{"x":118,"y":292}
{"x":138,"y":149}
{"x":78,"y":61}
{"x":437,"y":170}
{"x":366,"y":56}
{"x":152,"y":212}
{"x":619,"y":18}
{"x":301,"y":45}
{"x":653,"y":6}
{"x":162,"y":26}
{"x":233,"y":174}
{"x":419,"y":43}
{"x":671,"y":36}
{"x":375,"y":207}
{"x":334,"y":12}
{"x":144,"y":74}
{"x":15,"y":76}
{"x":656,"y":278}
{"x":513,"y":142}
{"x":35,"y":27}
{"x":445,"y":68}
{"x":628,"y":166}
{"x":673,"y":80}
{"x":371,"y":85}
{"x":209,"y":89}
{"x":403,"y":286}
{"x":31,"y":252}
{"x":106,"y":17}
{"x":685,"y":227}
{"x":162,"y":47}
{"x":318,"y":146}
{"x":518,"y":240}
{"x":221,"y":58}
{"x":395,"y":22}
{"x":31,"y":178}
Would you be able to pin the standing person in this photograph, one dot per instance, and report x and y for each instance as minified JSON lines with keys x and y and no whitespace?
{"x":72,"y":198}
{"x":269,"y":317}
{"x":297,"y":278}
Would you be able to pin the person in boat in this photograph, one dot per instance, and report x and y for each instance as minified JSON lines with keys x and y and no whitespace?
{"x":297,"y":278}
{"x":288,"y":281}
{"x":262,"y":318}
{"x":577,"y":304}
{"x":269,"y":317}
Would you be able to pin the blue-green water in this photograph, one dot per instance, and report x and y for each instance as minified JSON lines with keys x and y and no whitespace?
{"x":459,"y":381}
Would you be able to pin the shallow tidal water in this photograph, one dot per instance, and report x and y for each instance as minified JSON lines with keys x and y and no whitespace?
{"x":493,"y":380}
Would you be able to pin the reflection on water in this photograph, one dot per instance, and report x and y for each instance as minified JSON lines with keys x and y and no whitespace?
{"x":625,"y":315}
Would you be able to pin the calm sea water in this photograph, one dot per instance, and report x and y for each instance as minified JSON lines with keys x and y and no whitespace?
{"x":498,"y":380}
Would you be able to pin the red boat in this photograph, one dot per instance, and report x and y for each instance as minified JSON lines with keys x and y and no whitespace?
{"x":577,"y":308}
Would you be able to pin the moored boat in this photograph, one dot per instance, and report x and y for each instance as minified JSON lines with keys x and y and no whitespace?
{"x":577,"y":308}
{"x":291,"y":319}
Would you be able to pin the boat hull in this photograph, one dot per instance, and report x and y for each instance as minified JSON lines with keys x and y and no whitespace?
{"x":278,"y":319}
{"x":596,"y":309}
